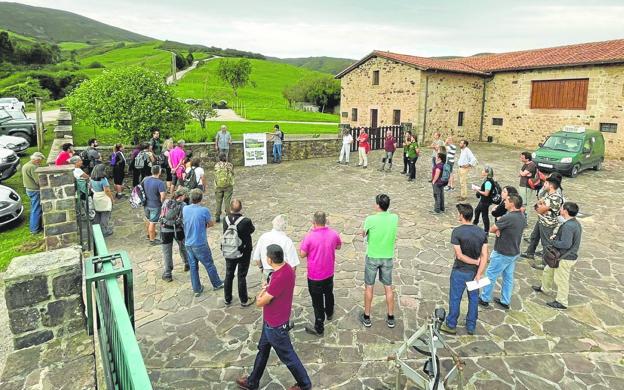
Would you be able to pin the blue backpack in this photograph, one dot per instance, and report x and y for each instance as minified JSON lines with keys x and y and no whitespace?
{"x":446,"y":174}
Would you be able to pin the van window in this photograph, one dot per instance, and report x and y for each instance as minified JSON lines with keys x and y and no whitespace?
{"x":564,"y":144}
{"x":587,"y":146}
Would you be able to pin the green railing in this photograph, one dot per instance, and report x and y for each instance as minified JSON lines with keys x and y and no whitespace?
{"x":113,"y":316}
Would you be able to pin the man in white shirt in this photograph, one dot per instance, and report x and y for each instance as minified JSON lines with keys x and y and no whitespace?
{"x":347,"y":140}
{"x":466,"y":161}
{"x":275,"y":236}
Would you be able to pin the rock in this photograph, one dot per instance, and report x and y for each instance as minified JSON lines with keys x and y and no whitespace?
{"x":27,"y":293}
{"x":547,"y":367}
{"x":34,"y":338}
{"x":24,"y":320}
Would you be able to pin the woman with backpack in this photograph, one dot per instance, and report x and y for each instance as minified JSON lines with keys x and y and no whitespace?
{"x":118,"y":162}
{"x":194,"y":176}
{"x":102,"y":199}
{"x":136,"y":173}
{"x":171,"y":228}
{"x":167,"y":146}
{"x":484,"y":193}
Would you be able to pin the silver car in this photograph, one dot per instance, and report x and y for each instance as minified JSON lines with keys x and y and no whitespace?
{"x":16,"y":144}
{"x":11,"y":208}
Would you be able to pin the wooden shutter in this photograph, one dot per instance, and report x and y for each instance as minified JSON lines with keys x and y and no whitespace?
{"x":559,"y":94}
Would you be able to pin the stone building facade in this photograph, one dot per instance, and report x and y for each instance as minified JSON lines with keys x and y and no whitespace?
{"x":488,"y":98}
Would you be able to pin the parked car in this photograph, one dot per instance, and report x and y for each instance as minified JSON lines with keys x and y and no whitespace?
{"x":11,"y":208}
{"x":25,"y":128}
{"x":8,"y":163}
{"x":571,"y":151}
{"x":16,"y":144}
{"x":11,"y":103}
{"x":17,"y":114}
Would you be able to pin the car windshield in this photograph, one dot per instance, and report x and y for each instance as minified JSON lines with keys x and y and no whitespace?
{"x":565,"y":144}
{"x":6,"y":100}
{"x":16,"y":114}
{"x":4,"y":115}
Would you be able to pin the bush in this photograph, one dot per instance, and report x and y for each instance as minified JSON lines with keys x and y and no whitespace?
{"x":95,"y":65}
{"x":180,"y":62}
{"x":26,"y":91}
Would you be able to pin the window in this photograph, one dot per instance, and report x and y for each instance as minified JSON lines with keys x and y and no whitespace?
{"x":559,"y":94}
{"x":460,"y":119}
{"x":396,"y":117}
{"x":354,"y":114}
{"x":497,"y":121}
{"x":375,"y":77}
{"x":608,"y":127}
{"x":345,"y":114}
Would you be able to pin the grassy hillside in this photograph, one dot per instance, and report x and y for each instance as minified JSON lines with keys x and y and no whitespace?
{"x":146,"y":55}
{"x":262,"y":102}
{"x":320,"y":64}
{"x":60,"y":26}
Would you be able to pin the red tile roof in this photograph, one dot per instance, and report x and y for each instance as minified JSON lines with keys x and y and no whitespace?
{"x":607,"y":52}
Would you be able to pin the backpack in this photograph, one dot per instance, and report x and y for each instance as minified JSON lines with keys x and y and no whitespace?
{"x":537,"y":182}
{"x":86,"y":160}
{"x":230,"y":242}
{"x":190,"y":181}
{"x":137,"y":196}
{"x":495,"y":193}
{"x":113,"y":160}
{"x":171,"y":214}
{"x":446,"y":174}
{"x":140,"y":160}
{"x":281,"y":135}
{"x":223,"y":177}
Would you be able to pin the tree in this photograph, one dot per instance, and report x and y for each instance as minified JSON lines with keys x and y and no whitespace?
{"x":132,"y":100}
{"x":202,"y":110}
{"x":322,"y":91}
{"x":235,"y":73}
{"x":190,"y":58}
{"x":6,"y":47}
{"x":180,"y":61}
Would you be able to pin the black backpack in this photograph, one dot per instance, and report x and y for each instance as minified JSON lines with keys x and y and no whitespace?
{"x":281,"y":134}
{"x":86,"y":160}
{"x":171,"y":214}
{"x":495,"y":193}
{"x":190,"y":181}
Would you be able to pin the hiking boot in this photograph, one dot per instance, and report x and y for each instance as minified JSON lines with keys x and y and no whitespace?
{"x":446,"y":329}
{"x":390,"y":322}
{"x":311,"y":330}
{"x":227,"y":303}
{"x":501,"y":304}
{"x":242,"y":383}
{"x":529,"y":256}
{"x":365,"y":320}
{"x":483,"y":303}
{"x":331,"y":317}
{"x":250,"y":301}
{"x":556,"y":305}
{"x":537,"y":289}
{"x":167,"y":278}
{"x":201,"y":290}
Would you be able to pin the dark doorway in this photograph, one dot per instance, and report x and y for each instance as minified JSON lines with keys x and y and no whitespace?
{"x":373,"y":118}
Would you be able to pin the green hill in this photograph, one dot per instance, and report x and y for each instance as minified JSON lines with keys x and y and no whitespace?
{"x":146,"y":55}
{"x":262,"y":102}
{"x":60,"y":26}
{"x":320,"y":64}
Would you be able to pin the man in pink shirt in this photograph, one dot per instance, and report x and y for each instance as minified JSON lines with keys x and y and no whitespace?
{"x":319,"y":246}
{"x":176,"y":163}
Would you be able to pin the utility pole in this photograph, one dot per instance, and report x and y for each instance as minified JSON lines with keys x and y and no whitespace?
{"x":39,"y":118}
{"x":174,"y":69}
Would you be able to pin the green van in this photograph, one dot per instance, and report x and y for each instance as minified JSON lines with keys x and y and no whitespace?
{"x":571,"y":151}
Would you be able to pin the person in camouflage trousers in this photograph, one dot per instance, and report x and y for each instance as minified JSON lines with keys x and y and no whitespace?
{"x":224,"y":185}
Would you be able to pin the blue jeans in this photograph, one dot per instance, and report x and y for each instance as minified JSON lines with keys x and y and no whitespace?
{"x":280,"y":341}
{"x":277,"y":152}
{"x":458,"y":285}
{"x":35,"y":210}
{"x":500,"y":264}
{"x":197,"y":254}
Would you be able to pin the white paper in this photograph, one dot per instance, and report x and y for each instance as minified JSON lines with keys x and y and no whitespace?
{"x":475,"y":187}
{"x":473,"y":284}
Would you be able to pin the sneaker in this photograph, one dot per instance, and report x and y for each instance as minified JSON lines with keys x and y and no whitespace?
{"x":528,"y":255}
{"x":446,"y":329}
{"x":250,"y":301}
{"x":242,"y":383}
{"x":219,"y":287}
{"x":365,"y":321}
{"x":470,"y":332}
{"x":167,"y":278}
{"x":155,"y":242}
{"x":331,"y":317}
{"x":556,"y":305}
{"x":186,"y":267}
{"x":501,"y":304}
{"x":410,"y":179}
{"x":295,"y":387}
{"x":201,"y":290}
{"x":483,"y":303}
{"x":539,"y":267}
{"x":537,"y":289}
{"x":365,"y":166}
{"x":311,"y":330}
{"x":227,"y":303}
{"x":390,"y":322}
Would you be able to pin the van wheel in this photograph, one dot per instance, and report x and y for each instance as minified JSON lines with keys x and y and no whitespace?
{"x":21,"y":134}
{"x":598,"y":166}
{"x":575,"y":171}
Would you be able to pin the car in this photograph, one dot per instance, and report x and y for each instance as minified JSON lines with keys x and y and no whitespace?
{"x":11,"y":208}
{"x":16,"y":144}
{"x":11,"y":103}
{"x":8,"y":163}
{"x":25,"y":128}
{"x":17,"y":114}
{"x":570,"y":151}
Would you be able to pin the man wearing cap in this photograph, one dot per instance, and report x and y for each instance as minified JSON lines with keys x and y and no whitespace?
{"x":31,"y":184}
{"x":172,"y":228}
{"x":276,"y":299}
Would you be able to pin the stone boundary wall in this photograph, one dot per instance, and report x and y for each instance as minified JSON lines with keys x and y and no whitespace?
{"x":58,"y":203}
{"x":63,"y":133}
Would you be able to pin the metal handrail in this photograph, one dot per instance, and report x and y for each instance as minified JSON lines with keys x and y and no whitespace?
{"x":122,"y":359}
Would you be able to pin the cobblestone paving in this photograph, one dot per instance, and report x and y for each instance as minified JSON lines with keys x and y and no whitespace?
{"x":190,"y":342}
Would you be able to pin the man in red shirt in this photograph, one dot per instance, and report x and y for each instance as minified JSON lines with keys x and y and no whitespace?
{"x":389,"y":147}
{"x":276,"y":302}
{"x":363,"y":148}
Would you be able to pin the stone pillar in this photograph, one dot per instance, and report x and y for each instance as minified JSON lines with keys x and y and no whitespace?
{"x":58,"y":202}
{"x":43,"y":295}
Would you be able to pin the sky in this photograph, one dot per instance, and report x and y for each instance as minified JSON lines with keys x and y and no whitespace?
{"x":352,"y":29}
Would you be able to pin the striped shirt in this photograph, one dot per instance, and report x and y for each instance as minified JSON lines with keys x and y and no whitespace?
{"x":450,"y":153}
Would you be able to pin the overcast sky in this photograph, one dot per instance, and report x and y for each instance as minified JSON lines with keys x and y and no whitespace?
{"x":352,"y":29}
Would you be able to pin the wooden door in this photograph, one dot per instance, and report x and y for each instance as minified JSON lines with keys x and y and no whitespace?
{"x":373,"y":118}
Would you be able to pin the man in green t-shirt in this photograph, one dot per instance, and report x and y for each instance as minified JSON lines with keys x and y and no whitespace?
{"x":380,"y":232}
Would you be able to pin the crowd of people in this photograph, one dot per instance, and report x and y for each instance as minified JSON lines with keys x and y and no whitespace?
{"x":174,"y":212}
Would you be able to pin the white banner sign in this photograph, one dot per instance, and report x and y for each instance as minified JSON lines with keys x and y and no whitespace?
{"x":254,"y":146}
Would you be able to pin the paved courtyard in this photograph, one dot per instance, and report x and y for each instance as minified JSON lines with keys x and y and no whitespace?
{"x":197,"y":343}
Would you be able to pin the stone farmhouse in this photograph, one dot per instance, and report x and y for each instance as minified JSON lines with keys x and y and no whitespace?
{"x":515,"y":98}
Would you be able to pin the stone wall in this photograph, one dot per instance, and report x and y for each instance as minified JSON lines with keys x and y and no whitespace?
{"x":508,"y":96}
{"x":398,"y":89}
{"x":447,"y":95}
{"x":58,"y":202}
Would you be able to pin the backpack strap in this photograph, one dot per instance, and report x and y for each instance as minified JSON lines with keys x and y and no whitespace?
{"x":238,"y":220}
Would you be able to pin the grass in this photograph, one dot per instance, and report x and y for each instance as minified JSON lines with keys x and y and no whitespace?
{"x":262,"y":102}
{"x":16,"y":238}
{"x":69,"y":46}
{"x":194,"y":133}
{"x":146,"y":55}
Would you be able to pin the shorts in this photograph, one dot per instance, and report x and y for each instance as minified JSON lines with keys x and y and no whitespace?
{"x":372,"y":266}
{"x":152,"y":214}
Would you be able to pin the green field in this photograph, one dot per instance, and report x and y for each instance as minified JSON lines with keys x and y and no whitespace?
{"x":144,"y":55}
{"x":69,"y":46}
{"x":262,"y":102}
{"x":194,"y":133}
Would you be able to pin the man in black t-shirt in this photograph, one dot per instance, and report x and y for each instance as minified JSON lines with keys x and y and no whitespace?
{"x":528,"y":171}
{"x":470,"y":246}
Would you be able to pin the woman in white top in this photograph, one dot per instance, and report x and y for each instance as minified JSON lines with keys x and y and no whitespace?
{"x":200,"y":177}
{"x":347,"y":140}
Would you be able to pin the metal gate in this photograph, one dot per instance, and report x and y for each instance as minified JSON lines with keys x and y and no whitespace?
{"x":376,"y":136}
